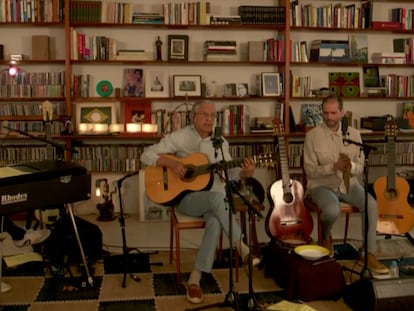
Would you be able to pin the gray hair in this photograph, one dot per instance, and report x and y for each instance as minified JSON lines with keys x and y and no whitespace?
{"x":197,"y":105}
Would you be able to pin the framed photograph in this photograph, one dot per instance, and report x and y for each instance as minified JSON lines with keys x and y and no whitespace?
{"x":177,"y":47}
{"x":93,"y":113}
{"x":137,"y":111}
{"x":242,"y":89}
{"x":156,"y":84}
{"x":134,"y":82}
{"x":187,"y":85}
{"x":271,"y":83}
{"x":230,"y":90}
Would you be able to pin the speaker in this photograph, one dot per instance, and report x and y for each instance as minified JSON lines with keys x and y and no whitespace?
{"x":380,"y":295}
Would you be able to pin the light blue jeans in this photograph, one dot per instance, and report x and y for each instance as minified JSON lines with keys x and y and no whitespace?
{"x":215,"y":211}
{"x":328,"y":202}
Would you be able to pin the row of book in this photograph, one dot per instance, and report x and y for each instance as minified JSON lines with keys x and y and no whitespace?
{"x":260,"y":14}
{"x":24,"y":154}
{"x":403,"y":16}
{"x":331,"y":15}
{"x":31,"y":11}
{"x":169,"y":121}
{"x":80,"y":85}
{"x":301,"y":86}
{"x":32,"y":78}
{"x":36,"y":128}
{"x":187,"y":12}
{"x":406,"y":46}
{"x":110,"y":165}
{"x":26,"y":91}
{"x":244,"y":151}
{"x":85,"y":47}
{"x":29,"y":109}
{"x":112,"y":12}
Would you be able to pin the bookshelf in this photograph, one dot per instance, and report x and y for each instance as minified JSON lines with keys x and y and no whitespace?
{"x":64,"y":32}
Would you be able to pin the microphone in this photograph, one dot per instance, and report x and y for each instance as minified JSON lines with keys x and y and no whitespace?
{"x":216,"y":139}
{"x":344,"y":126}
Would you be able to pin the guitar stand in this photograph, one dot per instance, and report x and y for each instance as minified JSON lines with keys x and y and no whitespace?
{"x":125,"y":249}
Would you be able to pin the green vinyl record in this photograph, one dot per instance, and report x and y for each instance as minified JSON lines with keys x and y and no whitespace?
{"x":104,"y":88}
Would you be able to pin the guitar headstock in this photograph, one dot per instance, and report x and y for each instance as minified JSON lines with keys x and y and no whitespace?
{"x":390,"y":128}
{"x":278,"y":128}
{"x":266,"y":159}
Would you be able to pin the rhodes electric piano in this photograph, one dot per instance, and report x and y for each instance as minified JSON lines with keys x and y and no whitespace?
{"x":42,"y":185}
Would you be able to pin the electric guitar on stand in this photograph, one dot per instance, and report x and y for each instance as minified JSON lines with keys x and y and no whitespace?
{"x":289,"y":221}
{"x":395,"y":215}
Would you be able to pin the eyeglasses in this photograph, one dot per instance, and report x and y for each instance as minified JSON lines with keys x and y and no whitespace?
{"x":206,"y":115}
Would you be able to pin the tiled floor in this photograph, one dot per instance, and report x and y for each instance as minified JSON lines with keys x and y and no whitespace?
{"x":146,"y":236}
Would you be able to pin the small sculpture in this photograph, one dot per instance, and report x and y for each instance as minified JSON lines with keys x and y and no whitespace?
{"x":158,"y":45}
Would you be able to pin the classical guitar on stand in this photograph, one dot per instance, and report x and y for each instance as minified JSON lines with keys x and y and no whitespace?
{"x":288,"y":220}
{"x":164,"y":187}
{"x":395,"y":215}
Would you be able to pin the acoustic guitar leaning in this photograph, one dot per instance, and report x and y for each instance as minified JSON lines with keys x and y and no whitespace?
{"x":164,"y":187}
{"x":288,"y":220}
{"x":395,"y":215}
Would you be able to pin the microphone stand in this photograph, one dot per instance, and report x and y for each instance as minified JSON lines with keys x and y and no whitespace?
{"x":125,"y":249}
{"x":251,"y":301}
{"x":365,"y":273}
{"x":231,"y":299}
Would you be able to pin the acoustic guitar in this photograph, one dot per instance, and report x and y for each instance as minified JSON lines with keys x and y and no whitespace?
{"x":395,"y":215}
{"x":288,"y":220}
{"x":164,"y":187}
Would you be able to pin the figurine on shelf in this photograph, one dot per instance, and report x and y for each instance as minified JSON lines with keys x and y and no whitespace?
{"x":158,"y":44}
{"x":106,"y":209}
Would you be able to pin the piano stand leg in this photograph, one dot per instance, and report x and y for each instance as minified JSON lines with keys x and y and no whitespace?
{"x":75,"y":230}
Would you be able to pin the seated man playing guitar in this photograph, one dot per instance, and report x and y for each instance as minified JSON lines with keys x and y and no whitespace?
{"x":332,"y":169}
{"x":209,"y":204}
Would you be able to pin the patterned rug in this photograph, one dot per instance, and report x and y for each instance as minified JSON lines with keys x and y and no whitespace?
{"x":149,"y":286}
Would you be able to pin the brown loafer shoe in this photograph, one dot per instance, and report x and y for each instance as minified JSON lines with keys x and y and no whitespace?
{"x":194,"y":293}
{"x":373,"y":264}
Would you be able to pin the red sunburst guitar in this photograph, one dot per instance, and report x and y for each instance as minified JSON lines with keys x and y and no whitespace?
{"x":395,"y":215}
{"x":289,"y":221}
{"x":163,"y":187}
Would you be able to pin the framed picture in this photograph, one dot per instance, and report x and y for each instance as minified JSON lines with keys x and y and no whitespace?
{"x":93,"y":113}
{"x":230,"y":90}
{"x":137,"y":111}
{"x":242,"y":89}
{"x":271,"y":83}
{"x":177,"y":47}
{"x":156,"y":84}
{"x":187,"y":85}
{"x":134,"y":82}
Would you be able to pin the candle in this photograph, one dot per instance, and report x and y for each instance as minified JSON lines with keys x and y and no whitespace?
{"x":116,"y":128}
{"x":133,"y":127}
{"x":149,"y":128}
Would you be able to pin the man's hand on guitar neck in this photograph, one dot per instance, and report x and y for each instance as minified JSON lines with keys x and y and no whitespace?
{"x":248,"y":167}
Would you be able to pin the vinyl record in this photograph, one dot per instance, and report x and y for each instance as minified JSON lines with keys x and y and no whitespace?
{"x":349,"y":90}
{"x":104,"y":88}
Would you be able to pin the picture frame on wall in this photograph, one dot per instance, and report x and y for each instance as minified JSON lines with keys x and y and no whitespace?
{"x":187,"y":85}
{"x":178,"y":47}
{"x":271,"y":84}
{"x":157,"y":84}
{"x":95,"y":113}
{"x":137,"y":111}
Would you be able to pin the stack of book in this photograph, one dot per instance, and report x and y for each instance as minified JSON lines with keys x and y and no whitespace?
{"x":225,"y":20}
{"x":220,"y":50}
{"x":147,"y":18}
{"x":132,"y":55}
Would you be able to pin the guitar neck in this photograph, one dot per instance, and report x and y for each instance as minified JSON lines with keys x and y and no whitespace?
{"x":284,"y":163}
{"x":391,"y":163}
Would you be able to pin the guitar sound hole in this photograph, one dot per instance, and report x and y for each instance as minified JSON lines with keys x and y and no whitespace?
{"x":189,"y":173}
{"x":288,"y":197}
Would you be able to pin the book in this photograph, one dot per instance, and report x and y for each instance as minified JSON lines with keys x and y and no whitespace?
{"x":40,"y":47}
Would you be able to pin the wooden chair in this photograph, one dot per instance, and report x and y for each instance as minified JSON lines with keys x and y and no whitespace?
{"x":345,"y":208}
{"x":180,"y":222}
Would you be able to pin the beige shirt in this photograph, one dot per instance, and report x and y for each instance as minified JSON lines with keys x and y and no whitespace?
{"x":321,"y":150}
